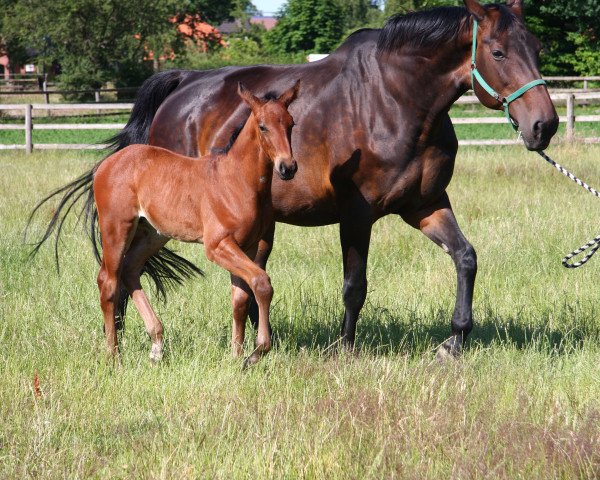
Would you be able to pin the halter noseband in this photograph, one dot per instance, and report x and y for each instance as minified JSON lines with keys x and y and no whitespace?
{"x":506,"y":101}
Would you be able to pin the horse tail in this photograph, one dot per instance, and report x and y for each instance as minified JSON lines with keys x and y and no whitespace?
{"x":165,"y":268}
{"x":149,"y":98}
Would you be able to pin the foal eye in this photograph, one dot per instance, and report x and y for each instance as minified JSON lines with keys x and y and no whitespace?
{"x":262,"y":128}
{"x":498,"y":55}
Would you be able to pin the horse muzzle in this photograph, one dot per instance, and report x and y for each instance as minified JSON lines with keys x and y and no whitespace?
{"x":540,"y":133}
{"x":286,"y":169}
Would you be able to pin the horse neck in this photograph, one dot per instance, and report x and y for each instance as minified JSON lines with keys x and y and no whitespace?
{"x":440,"y":75}
{"x":246,"y":152}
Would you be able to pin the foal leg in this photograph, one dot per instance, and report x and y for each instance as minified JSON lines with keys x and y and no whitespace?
{"x":115,"y":238}
{"x":265,"y":246}
{"x":241,"y":296}
{"x":230,"y":256}
{"x":438,"y":223}
{"x":144,"y":244}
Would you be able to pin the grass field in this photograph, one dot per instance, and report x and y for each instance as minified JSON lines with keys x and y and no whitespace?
{"x":522,"y":402}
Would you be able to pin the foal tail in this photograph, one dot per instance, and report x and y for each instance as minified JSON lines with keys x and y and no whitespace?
{"x":166,"y":268}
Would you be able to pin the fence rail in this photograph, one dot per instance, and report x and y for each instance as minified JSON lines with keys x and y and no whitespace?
{"x":28,"y":126}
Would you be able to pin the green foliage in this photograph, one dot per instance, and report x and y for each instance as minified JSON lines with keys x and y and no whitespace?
{"x":404,"y":6}
{"x":306,"y":26}
{"x":569,"y":31}
{"x":100,"y":41}
{"x":360,"y":14}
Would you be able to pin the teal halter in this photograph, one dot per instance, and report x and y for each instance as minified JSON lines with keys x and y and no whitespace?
{"x":506,"y":101}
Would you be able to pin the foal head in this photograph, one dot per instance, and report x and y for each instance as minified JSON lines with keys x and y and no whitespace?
{"x":274,"y":125}
{"x":507,"y":57}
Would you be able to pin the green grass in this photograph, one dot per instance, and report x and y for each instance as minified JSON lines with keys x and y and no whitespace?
{"x":522,"y":402}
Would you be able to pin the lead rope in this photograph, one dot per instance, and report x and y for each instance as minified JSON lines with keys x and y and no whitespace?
{"x":593,"y":244}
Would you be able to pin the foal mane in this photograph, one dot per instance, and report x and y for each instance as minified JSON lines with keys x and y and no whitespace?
{"x":432,"y":28}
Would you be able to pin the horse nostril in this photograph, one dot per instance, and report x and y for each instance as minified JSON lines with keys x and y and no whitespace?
{"x":538,"y":127}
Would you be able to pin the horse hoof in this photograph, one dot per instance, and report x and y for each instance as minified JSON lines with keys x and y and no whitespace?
{"x":448,"y":351}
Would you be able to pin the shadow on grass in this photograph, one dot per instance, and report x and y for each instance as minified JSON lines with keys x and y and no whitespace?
{"x":316,"y":327}
{"x":381,"y":332}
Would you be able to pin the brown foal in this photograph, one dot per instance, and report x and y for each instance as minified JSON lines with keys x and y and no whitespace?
{"x":148,"y":195}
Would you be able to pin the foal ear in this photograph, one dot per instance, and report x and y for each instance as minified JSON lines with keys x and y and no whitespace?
{"x":516,"y":6}
{"x":476,"y":9}
{"x":248,"y":96}
{"x":289,"y":95}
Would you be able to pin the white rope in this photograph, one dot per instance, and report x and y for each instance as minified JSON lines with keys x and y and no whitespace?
{"x":594,"y":244}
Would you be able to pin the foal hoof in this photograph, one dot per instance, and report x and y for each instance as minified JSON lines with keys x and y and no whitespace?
{"x":449,"y":350}
{"x":251,"y":360}
{"x":156,"y":353}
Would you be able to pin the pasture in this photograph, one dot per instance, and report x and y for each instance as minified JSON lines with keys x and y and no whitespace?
{"x":522,"y":402}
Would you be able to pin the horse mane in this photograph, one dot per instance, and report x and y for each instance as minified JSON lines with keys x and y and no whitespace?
{"x":269,"y":96}
{"x":432,"y":28}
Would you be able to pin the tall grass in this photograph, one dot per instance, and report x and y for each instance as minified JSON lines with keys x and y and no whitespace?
{"x":522,"y":402}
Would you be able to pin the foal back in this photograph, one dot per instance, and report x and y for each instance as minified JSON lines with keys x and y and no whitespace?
{"x":163,"y":187}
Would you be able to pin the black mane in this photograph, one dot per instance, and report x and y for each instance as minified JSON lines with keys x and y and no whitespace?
{"x":431,"y":28}
{"x":269,"y":96}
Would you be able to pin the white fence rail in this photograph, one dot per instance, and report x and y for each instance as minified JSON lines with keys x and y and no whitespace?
{"x":571,"y":119}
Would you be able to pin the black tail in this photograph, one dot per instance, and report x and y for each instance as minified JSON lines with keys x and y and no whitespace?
{"x":165,"y":268}
{"x":150,"y":96}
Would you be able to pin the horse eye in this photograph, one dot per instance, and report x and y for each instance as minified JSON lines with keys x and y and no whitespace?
{"x":263,"y":128}
{"x":498,"y":55}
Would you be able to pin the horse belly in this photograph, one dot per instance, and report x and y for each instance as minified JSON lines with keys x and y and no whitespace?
{"x":179,"y":219}
{"x":303,"y":203}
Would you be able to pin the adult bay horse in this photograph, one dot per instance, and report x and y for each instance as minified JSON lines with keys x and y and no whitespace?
{"x":146,"y":195}
{"x":373,"y":133}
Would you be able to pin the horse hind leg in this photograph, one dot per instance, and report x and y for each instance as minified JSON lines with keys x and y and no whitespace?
{"x":143,"y":246}
{"x":439,"y":224}
{"x":114,"y":244}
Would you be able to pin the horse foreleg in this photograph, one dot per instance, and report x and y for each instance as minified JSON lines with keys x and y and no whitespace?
{"x":438,"y":223}
{"x":241,"y":295}
{"x":230,"y":256}
{"x":355,"y":237}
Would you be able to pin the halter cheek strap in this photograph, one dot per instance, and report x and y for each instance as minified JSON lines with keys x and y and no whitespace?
{"x":505,"y":101}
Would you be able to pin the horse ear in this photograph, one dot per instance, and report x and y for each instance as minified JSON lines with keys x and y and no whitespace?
{"x":516,"y":7}
{"x":248,"y":96}
{"x":476,"y":9}
{"x":289,"y":95}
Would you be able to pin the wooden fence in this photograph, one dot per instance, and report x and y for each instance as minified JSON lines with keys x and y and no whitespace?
{"x":571,"y":119}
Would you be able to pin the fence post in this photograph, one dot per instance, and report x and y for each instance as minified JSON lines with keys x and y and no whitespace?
{"x":97,"y":98}
{"x":585,"y":84}
{"x":570,"y":117}
{"x":28,"y":129}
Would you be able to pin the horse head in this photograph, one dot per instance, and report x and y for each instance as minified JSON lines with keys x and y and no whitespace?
{"x":505,"y":70}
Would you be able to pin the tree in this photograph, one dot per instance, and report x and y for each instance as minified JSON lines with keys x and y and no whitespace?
{"x":96,"y":41}
{"x":405,"y":6}
{"x":570,"y":34}
{"x":360,"y":13}
{"x":306,"y":26}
